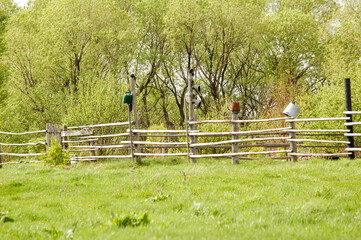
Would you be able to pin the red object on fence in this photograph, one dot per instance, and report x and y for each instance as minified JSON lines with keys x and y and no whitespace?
{"x":235,"y":107}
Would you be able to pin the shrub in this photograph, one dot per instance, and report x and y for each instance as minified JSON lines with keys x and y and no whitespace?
{"x":55,"y":155}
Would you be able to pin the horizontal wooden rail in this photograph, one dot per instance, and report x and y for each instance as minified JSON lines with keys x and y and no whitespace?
{"x":81,"y":150}
{"x":22,"y":144}
{"x":22,"y":154}
{"x":239,"y":133}
{"x":320,"y":146}
{"x":105,"y":136}
{"x":155,"y":143}
{"x":239,"y":154}
{"x":318,"y":130}
{"x":353,"y":149}
{"x":101,"y":125}
{"x":352,"y":112}
{"x":5,"y":163}
{"x":318,"y":119}
{"x":315,"y":140}
{"x":352,"y":123}
{"x":352,"y":135}
{"x":101,"y":147}
{"x":104,"y":157}
{"x":238,"y":141}
{"x":24,"y":133}
{"x":81,"y":141}
{"x":320,"y":154}
{"x":164,"y":135}
{"x":161,"y":131}
{"x":237,"y":121}
{"x":159,"y":154}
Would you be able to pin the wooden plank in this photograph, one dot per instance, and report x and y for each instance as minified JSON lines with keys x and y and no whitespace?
{"x":24,"y":133}
{"x":238,"y":133}
{"x":237,"y":121}
{"x":105,"y":157}
{"x":318,"y":130}
{"x":82,"y":141}
{"x":318,"y":119}
{"x":319,"y":146}
{"x":353,"y":149}
{"x":82,"y":150}
{"x":159,"y":154}
{"x":101,"y":125}
{"x":22,"y":144}
{"x":155,"y":143}
{"x":161,"y":131}
{"x":352,"y":135}
{"x":352,"y":112}
{"x":105,"y":136}
{"x":5,"y":163}
{"x":238,"y":141}
{"x":352,"y":123}
{"x":320,"y":154}
{"x":239,"y":154}
{"x":101,"y":147}
{"x":22,"y":154}
{"x":85,"y":131}
{"x":315,"y":140}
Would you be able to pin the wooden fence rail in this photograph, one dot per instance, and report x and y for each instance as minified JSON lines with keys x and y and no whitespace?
{"x":276,"y":146}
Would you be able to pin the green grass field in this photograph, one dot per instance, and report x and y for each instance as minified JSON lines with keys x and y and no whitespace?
{"x":212,"y":199}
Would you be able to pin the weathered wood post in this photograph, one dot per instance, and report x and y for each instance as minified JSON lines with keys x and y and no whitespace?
{"x":235,"y":108}
{"x":65,"y":139}
{"x":348,"y":102}
{"x":293,"y":145}
{"x":0,"y":158}
{"x":92,"y":143}
{"x":192,"y":115}
{"x":53,"y":133}
{"x":138,"y":148}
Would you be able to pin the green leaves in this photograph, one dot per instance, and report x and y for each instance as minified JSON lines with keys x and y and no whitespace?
{"x":131,"y":220}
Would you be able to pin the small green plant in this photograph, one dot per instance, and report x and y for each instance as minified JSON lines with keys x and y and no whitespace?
{"x":4,"y":218}
{"x":159,"y":197}
{"x":55,"y":234}
{"x":131,"y":220}
{"x":55,"y":155}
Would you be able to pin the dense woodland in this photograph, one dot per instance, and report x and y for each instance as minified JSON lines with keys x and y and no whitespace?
{"x":70,"y":61}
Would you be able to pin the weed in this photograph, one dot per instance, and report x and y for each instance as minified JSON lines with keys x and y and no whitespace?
{"x":56,"y":156}
{"x":159,"y":197}
{"x":131,"y":220}
{"x":4,"y":218}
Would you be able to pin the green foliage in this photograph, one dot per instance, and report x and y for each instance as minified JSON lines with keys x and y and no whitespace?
{"x":131,"y":220}
{"x":55,"y":155}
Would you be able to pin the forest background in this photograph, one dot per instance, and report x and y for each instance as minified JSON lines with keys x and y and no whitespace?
{"x":70,"y":61}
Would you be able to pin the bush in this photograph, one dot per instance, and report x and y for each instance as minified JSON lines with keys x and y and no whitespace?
{"x":55,"y":155}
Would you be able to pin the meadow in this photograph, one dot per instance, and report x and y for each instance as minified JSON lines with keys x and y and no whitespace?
{"x":172,"y":199}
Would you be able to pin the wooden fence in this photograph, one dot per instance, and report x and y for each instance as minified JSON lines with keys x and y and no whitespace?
{"x":277,"y":138}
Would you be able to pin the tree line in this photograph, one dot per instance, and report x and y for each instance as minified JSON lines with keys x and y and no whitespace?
{"x":70,"y":61}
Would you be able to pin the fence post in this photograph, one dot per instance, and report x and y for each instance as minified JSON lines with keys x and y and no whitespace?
{"x":53,"y":132}
{"x":65,"y":144}
{"x":138,"y":148}
{"x":235,"y":128}
{"x":293,"y":145}
{"x":0,"y":158}
{"x":348,"y":102}
{"x":93,"y":151}
{"x":192,"y":115}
